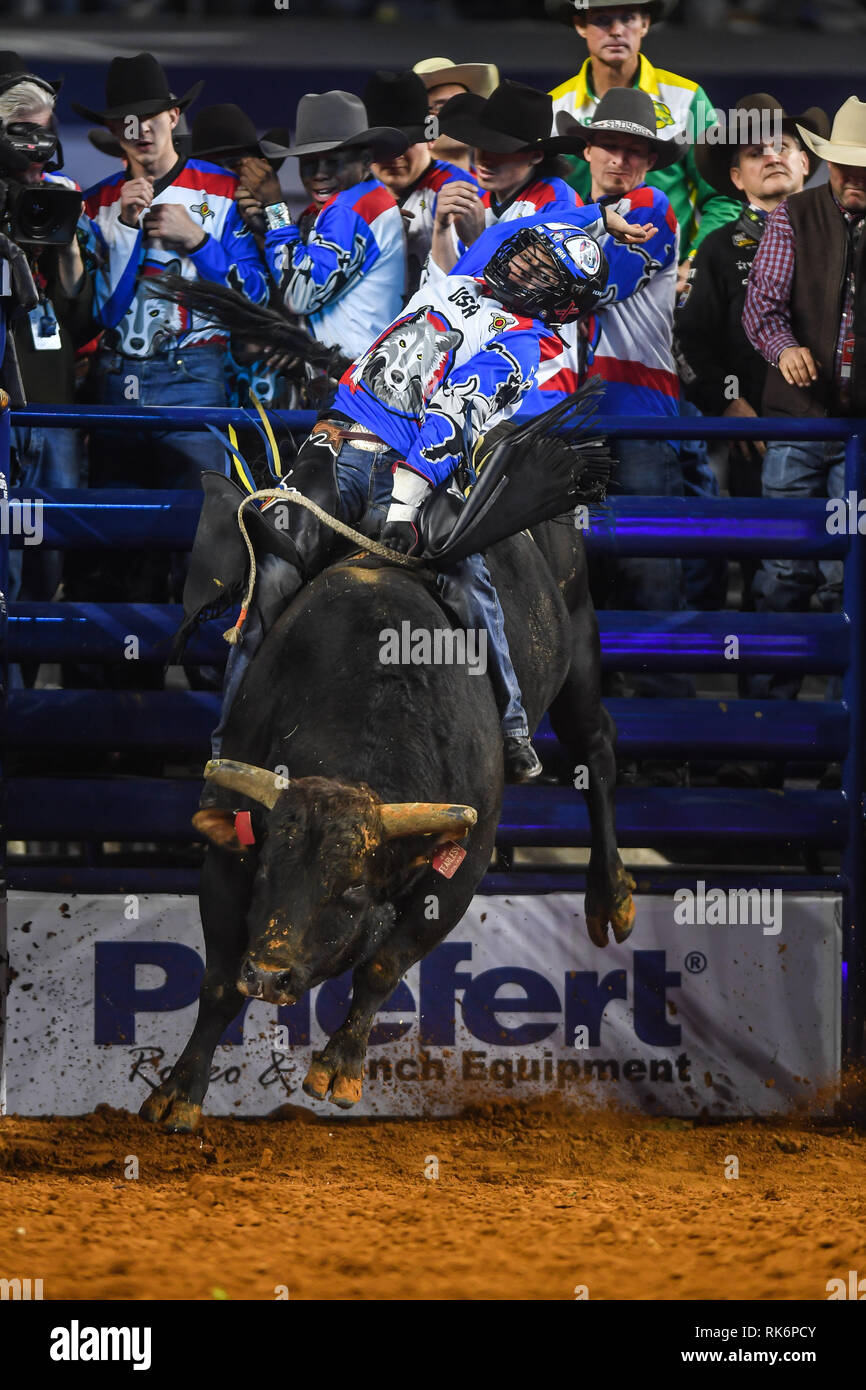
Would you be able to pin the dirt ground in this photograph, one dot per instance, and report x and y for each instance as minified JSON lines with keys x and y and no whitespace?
{"x":530,"y":1202}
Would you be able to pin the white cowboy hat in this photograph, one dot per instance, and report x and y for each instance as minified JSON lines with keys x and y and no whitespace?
{"x":847,"y":143}
{"x":479,"y":78}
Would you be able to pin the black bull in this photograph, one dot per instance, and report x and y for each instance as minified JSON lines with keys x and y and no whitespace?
{"x":340,"y":874}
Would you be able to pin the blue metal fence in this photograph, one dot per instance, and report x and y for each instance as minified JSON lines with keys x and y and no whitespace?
{"x":157,"y":810}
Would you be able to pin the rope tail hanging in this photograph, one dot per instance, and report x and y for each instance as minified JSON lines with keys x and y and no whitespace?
{"x":235,"y":634}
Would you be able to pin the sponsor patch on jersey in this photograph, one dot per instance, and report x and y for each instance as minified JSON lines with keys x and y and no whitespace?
{"x":585,"y":253}
{"x":500,"y":322}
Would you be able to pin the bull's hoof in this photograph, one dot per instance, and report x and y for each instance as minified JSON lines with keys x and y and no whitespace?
{"x":318,"y":1080}
{"x":183,"y":1118}
{"x":620,"y":915}
{"x":177,"y":1116}
{"x":346,"y":1091}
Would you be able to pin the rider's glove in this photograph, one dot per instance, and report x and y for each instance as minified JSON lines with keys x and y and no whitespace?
{"x":407,"y":497}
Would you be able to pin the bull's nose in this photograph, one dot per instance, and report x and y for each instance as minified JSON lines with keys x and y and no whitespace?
{"x":275,"y":986}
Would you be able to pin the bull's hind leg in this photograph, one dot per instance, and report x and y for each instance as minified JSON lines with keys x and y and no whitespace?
{"x":176,"y":1104}
{"x":584,"y":726}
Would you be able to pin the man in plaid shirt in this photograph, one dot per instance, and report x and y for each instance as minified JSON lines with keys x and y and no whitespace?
{"x":805,"y":310}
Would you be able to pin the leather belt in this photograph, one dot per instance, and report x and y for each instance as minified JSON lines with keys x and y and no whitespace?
{"x":355,"y":434}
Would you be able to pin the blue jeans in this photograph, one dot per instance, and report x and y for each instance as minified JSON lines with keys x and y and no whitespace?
{"x":364,"y":483}
{"x":48,"y":459}
{"x":164,"y":459}
{"x":705,"y":581}
{"x":806,"y":469}
{"x":651,"y":468}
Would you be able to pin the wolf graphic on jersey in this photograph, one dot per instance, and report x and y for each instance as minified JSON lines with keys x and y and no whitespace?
{"x":149,"y":324}
{"x":454,"y":404}
{"x":403,"y":368}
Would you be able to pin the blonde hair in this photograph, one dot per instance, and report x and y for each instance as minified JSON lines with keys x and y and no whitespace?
{"x":25,"y":99}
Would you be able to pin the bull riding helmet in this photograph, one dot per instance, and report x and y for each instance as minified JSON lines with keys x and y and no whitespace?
{"x":567,"y":275}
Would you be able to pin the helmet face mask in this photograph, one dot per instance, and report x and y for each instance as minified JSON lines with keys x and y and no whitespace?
{"x":553,"y":272}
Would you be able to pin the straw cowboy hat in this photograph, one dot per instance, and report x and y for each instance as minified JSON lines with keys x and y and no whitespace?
{"x":714,"y":161}
{"x":478,"y":78}
{"x":622,"y":111}
{"x":847,"y":143}
{"x":136,"y":87}
{"x":335,"y":121}
{"x":566,"y":11}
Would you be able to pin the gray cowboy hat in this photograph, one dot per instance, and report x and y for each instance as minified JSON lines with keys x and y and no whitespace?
{"x":566,"y":11}
{"x":335,"y":121}
{"x":714,"y":161}
{"x":621,"y":111}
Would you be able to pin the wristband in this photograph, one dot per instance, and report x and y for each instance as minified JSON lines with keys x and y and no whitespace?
{"x":277,"y":215}
{"x":409,"y":488}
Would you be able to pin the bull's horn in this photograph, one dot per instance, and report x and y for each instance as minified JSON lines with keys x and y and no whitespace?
{"x":424,"y":818}
{"x":255,"y":782}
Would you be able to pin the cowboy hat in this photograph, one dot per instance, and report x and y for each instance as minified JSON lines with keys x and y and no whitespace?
{"x":335,"y":121}
{"x":514,"y":117}
{"x":399,"y":100}
{"x":227,"y":131}
{"x":566,"y":11}
{"x":621,"y":111}
{"x":714,"y":161}
{"x":479,"y":78}
{"x":13,"y":71}
{"x":136,"y":87}
{"x":847,"y":143}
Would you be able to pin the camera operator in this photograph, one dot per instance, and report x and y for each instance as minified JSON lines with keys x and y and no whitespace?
{"x":46,"y":337}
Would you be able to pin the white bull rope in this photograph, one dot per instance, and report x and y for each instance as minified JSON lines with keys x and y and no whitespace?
{"x":233,"y":635}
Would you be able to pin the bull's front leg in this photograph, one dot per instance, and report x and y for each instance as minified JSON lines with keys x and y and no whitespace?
{"x":225,"y":887}
{"x":340,"y":1067}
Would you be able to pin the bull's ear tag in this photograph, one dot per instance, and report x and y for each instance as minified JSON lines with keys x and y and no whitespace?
{"x":244,"y":827}
{"x":448,"y":858}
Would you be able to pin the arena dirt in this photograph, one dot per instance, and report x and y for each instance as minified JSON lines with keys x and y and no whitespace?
{"x":529,"y":1202}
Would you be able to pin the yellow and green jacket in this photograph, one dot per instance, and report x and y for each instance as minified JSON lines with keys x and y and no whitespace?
{"x":680,"y":105}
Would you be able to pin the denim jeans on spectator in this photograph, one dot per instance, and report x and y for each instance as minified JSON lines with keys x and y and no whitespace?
{"x":47,"y":459}
{"x":705,"y":581}
{"x":163,"y":459}
{"x":805,"y":469}
{"x":650,"y":468}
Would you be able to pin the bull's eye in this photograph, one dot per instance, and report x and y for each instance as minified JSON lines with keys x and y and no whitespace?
{"x":356,"y":896}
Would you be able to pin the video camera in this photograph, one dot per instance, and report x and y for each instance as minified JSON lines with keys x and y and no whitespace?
{"x":40,"y":214}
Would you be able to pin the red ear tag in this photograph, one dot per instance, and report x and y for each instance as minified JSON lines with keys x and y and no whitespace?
{"x":448,"y":858}
{"x":244,"y":828}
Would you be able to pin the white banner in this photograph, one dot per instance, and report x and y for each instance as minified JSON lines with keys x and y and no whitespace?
{"x":688,"y":1020}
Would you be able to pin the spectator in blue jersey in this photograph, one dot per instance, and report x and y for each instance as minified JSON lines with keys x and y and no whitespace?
{"x":514,"y":162}
{"x":346,"y":280}
{"x":162,"y":213}
{"x":464,"y":356}
{"x":415,"y":178}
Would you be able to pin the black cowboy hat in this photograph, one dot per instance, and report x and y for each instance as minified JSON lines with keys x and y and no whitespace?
{"x":335,"y":121}
{"x":714,"y":161}
{"x":514,"y":117}
{"x":226,"y":130}
{"x":13,"y":71}
{"x":566,"y":11}
{"x":621,"y":111}
{"x":136,"y":87}
{"x":399,"y":99}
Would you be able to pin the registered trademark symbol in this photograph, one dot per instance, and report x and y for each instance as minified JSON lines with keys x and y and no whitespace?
{"x":696,"y":962}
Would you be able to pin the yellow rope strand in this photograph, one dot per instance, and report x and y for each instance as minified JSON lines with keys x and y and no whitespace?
{"x":232,"y":636}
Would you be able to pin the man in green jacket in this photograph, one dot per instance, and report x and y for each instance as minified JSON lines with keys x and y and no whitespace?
{"x":613,"y":35}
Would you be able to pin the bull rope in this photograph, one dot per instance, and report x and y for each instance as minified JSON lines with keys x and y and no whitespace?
{"x":233,"y":635}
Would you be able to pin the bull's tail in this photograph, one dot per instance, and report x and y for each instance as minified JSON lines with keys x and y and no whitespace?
{"x":531,"y":474}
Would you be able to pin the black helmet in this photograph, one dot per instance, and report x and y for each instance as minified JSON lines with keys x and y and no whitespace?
{"x":567,"y":275}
